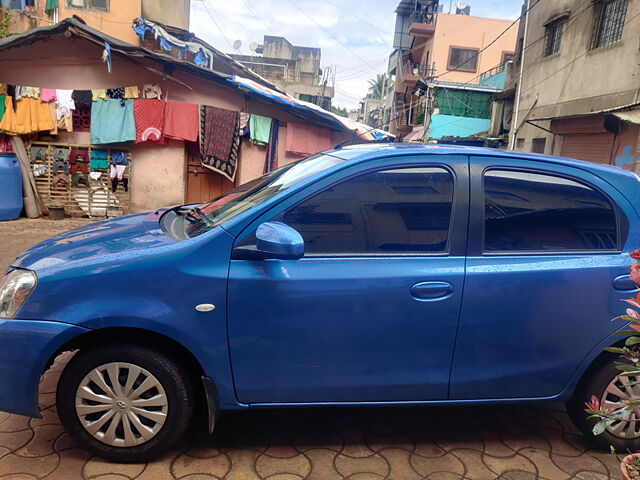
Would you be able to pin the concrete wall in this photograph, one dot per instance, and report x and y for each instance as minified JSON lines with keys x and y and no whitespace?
{"x":170,"y":12}
{"x":115,"y":22}
{"x":468,"y":32}
{"x":577,"y":79}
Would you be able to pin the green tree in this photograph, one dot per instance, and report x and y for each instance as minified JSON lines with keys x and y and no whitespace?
{"x":339,"y":111}
{"x":376,"y":85}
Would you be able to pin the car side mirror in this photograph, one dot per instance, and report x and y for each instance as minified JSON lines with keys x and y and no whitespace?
{"x":278,"y":240}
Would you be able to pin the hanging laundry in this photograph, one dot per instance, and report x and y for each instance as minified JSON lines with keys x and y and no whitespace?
{"x":181,"y":121}
{"x":149,"y":117}
{"x":81,"y":117}
{"x":219,"y":140}
{"x":307,"y":140}
{"x":65,"y":122}
{"x":29,"y":116}
{"x":259,"y":129}
{"x":78,"y":155}
{"x":119,"y":162}
{"x":37,"y":152}
{"x":99,"y":94}
{"x":112,"y":121}
{"x":64,"y":103}
{"x":54,"y":117}
{"x":31,"y":92}
{"x":3,"y":89}
{"x":152,"y":90}
{"x":95,"y":175}
{"x":50,"y":6}
{"x":131,"y":92}
{"x":39,"y":170}
{"x":271,"y":161}
{"x":2,"y":99}
{"x":82,"y":96}
{"x":115,"y":92}
{"x":99,"y":159}
{"x":47,"y":94}
{"x":5,"y":143}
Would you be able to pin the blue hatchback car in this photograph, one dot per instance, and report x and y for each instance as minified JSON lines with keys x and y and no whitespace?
{"x":369,"y":275}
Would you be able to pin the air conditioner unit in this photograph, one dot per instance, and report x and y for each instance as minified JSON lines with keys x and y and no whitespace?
{"x":77,"y":3}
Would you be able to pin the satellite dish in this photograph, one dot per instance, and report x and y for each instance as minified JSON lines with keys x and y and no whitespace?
{"x":237,"y":44}
{"x":461,"y":5}
{"x":253,"y":46}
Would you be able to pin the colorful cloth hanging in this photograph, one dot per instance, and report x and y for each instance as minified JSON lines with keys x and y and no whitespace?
{"x":149,"y":117}
{"x":29,"y":116}
{"x":181,"y":121}
{"x":271,"y":161}
{"x":219,"y":140}
{"x":259,"y":129}
{"x":112,"y":121}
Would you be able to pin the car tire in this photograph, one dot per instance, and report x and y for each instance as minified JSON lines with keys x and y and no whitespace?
{"x":148,"y":413}
{"x":596,"y":383}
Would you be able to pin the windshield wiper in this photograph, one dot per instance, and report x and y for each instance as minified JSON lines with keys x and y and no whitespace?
{"x":188,"y":214}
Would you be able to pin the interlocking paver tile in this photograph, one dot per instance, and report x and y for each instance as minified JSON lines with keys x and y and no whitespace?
{"x":96,"y":466}
{"x":160,"y":469}
{"x":42,"y":441}
{"x":267,"y":466}
{"x":242,"y":465}
{"x":427,"y":465}
{"x":573,"y":465}
{"x":15,"y":440}
{"x":474,"y":467}
{"x":70,"y":465}
{"x":399,"y":461}
{"x":217,"y":465}
{"x":348,"y":466}
{"x":542,"y":460}
{"x":501,"y":465}
{"x":38,"y":467}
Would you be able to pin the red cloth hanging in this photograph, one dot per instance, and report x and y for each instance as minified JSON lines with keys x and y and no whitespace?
{"x":148,"y":114}
{"x":181,"y":121}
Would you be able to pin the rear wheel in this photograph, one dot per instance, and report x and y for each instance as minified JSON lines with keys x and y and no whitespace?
{"x":607,"y":386}
{"x":125,"y":403}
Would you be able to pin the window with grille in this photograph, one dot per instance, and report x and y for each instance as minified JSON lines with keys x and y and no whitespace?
{"x":610,"y":17}
{"x":463,"y":59}
{"x":553,"y":37}
{"x":507,"y":57}
{"x":95,"y":4}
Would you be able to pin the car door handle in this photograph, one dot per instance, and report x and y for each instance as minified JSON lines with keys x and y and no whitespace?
{"x":431,"y":290}
{"x":624,"y":283}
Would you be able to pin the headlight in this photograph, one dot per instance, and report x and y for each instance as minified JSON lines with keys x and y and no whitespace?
{"x":17,"y":286}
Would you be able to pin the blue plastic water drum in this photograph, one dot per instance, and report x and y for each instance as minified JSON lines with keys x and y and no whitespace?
{"x":10,"y":187}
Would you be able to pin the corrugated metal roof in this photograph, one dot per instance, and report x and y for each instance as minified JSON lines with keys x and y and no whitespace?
{"x":631,"y":116}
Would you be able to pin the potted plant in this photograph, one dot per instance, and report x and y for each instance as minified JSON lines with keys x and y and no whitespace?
{"x":629,"y":366}
{"x":56,"y":211}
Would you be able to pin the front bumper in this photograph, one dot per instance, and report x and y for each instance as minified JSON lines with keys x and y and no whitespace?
{"x":25,"y":348}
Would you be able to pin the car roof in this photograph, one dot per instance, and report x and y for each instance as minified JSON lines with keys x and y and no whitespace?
{"x":371,"y":151}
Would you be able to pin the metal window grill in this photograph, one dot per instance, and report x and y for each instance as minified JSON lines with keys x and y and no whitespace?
{"x":553,"y":37}
{"x":610,"y":22}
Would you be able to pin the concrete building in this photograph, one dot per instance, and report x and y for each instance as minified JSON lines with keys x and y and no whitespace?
{"x":112,"y":17}
{"x":295,"y":70}
{"x":578,"y":95}
{"x":454,"y":49}
{"x":370,"y":111}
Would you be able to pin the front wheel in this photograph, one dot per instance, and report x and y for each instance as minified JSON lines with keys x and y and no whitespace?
{"x":124,"y":403}
{"x":609,"y":388}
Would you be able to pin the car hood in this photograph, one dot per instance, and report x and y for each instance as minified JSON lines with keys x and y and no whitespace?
{"x":116,"y":236}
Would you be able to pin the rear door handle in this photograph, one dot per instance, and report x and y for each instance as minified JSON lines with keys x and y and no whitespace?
{"x":431,"y":290}
{"x":624,"y":283}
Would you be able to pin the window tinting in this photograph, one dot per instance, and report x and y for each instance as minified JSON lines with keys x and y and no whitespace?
{"x":401,"y":211}
{"x":465,"y":59}
{"x":553,"y":37}
{"x":532,"y":212}
{"x":610,"y":16}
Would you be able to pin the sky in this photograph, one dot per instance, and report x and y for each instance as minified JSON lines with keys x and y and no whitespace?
{"x":355,"y":36}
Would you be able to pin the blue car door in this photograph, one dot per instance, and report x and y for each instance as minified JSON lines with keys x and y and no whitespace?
{"x":369,"y":314}
{"x":547,"y":266}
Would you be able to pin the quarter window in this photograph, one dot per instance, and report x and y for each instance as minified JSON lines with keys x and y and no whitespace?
{"x":397,"y":211}
{"x":610,"y":16}
{"x":531,"y":212}
{"x":463,"y":59}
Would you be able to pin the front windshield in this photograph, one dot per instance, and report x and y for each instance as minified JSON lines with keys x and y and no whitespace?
{"x":242,"y":198}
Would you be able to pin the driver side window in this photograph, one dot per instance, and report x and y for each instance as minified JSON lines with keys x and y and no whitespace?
{"x":394,"y":211}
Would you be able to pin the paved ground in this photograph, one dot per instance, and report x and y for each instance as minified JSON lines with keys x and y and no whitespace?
{"x":506,"y":442}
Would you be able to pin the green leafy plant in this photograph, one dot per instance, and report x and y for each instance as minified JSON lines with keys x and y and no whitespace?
{"x":5,"y":23}
{"x":629,"y":366}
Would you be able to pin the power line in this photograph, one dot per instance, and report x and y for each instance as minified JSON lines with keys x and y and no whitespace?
{"x":328,"y":32}
{"x":204,"y":4}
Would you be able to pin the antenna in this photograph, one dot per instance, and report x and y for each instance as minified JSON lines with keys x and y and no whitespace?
{"x":236,"y":45}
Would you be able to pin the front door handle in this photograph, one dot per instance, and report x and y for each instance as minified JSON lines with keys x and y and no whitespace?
{"x":431,"y":290}
{"x":624,"y":283}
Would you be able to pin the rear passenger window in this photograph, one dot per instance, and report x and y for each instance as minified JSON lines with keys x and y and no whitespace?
{"x":531,"y":212}
{"x":395,"y":211}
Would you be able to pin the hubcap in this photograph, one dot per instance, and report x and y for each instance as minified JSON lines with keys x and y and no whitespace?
{"x":121,"y":404}
{"x":616,"y":391}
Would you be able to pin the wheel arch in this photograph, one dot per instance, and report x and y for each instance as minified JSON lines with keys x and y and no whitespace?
{"x":203,"y":386}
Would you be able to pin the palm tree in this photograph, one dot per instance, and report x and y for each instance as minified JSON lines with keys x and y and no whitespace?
{"x":376,"y":85}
